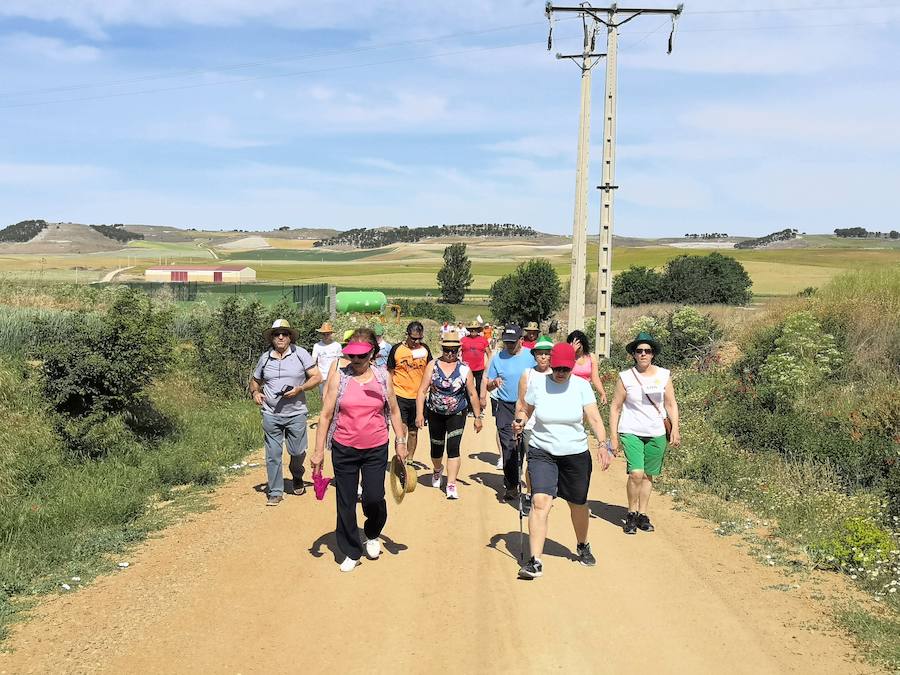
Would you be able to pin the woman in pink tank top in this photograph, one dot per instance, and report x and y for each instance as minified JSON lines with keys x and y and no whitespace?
{"x":359,"y":404}
{"x":585,"y":363}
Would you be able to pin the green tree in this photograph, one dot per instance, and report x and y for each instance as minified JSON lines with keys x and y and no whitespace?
{"x":455,"y":277}
{"x":531,"y":293}
{"x":705,"y":280}
{"x":637,"y":285}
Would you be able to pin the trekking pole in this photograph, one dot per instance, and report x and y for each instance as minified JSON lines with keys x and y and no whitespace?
{"x":520,"y":443}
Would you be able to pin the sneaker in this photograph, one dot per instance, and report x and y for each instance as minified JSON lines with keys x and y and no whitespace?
{"x":436,"y":478}
{"x":585,"y":557}
{"x":511,"y":494}
{"x":500,"y":462}
{"x":630,"y":523}
{"x":644,"y":524}
{"x":532,"y":569}
{"x":373,"y":548}
{"x":299,"y":487}
{"x":451,"y":491}
{"x":359,"y":492}
{"x":274,"y":500}
{"x":349,"y":564}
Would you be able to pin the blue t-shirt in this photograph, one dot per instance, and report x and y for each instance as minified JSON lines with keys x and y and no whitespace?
{"x":382,"y":356}
{"x":510,"y":368}
{"x":559,"y":414}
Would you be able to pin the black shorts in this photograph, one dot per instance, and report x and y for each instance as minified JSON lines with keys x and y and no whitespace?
{"x":565,"y":476}
{"x":408,"y":412}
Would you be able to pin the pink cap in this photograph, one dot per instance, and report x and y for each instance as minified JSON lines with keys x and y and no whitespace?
{"x":562,"y":356}
{"x":357,"y":348}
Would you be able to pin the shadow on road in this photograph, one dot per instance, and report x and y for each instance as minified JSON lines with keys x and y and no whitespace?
{"x":494,"y":481}
{"x":329,"y":541}
{"x":611,"y":513}
{"x":510,"y":542}
{"x":486,"y":457}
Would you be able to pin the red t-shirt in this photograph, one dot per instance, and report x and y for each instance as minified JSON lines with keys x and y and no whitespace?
{"x":526,"y":344}
{"x":473,"y":350}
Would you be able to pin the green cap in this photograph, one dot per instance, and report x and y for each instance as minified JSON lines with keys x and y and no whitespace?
{"x":543,"y":342}
{"x":378,"y":329}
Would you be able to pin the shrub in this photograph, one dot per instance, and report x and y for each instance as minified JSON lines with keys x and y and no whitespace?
{"x":687,"y":337}
{"x":531,"y":293}
{"x":704,"y":280}
{"x":423,"y":309}
{"x":636,"y":286}
{"x":857,"y":541}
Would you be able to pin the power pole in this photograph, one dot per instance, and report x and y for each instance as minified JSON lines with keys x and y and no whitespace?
{"x":612,"y":17}
{"x":586,"y":62}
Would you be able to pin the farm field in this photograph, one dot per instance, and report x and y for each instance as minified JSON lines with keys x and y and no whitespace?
{"x":410,"y":268}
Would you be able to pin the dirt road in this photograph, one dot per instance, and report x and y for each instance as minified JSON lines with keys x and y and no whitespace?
{"x":246,"y":589}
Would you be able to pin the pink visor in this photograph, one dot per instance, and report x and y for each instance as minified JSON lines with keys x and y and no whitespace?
{"x":357,"y":348}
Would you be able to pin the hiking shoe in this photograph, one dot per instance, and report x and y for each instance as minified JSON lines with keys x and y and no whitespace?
{"x":500,"y":462}
{"x":532,"y":569}
{"x":274,"y":500}
{"x":511,"y":494}
{"x":644,"y":524}
{"x":349,"y":564}
{"x":451,"y":491}
{"x":299,"y":487}
{"x":630,"y":526}
{"x":436,"y":478}
{"x":373,"y":548}
{"x":585,"y":557}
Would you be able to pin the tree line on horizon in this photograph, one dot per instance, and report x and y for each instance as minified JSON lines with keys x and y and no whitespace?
{"x":863,"y":233}
{"x":363,"y":237}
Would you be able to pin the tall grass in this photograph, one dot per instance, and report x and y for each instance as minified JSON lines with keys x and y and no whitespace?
{"x":61,"y":515}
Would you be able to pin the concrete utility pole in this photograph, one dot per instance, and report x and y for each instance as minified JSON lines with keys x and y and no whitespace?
{"x":609,"y":17}
{"x":586,"y":62}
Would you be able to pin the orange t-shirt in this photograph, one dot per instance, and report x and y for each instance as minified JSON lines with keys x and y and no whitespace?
{"x":488,"y":332}
{"x":407,"y":366}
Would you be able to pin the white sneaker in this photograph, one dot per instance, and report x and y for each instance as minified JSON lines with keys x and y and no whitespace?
{"x":451,"y":491}
{"x":373,"y":548}
{"x":349,"y":564}
{"x":500,"y":462}
{"x":436,"y":478}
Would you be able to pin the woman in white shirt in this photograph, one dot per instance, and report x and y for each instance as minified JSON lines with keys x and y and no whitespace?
{"x":642,"y":415}
{"x":559,"y":462}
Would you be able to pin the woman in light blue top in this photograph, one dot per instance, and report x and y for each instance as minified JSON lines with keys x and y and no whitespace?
{"x":559,"y":462}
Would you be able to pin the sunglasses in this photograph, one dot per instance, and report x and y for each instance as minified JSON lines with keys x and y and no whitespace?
{"x":643,"y":351}
{"x":450,"y":350}
{"x":413,"y":338}
{"x":560,"y":369}
{"x":539,"y":354}
{"x":281,"y":334}
{"x":358,"y":357}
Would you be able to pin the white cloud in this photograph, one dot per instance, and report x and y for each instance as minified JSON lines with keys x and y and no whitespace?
{"x":48,"y":175}
{"x":212,"y":130}
{"x":48,"y":48}
{"x":383,"y":165}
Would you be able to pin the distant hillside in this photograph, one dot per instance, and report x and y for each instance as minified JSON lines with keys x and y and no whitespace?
{"x":116,"y":232}
{"x":760,"y":242}
{"x":23,"y":231}
{"x":375,"y":238}
{"x":63,"y":238}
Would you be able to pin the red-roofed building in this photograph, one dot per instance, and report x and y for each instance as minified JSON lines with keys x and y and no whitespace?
{"x":216,"y":274}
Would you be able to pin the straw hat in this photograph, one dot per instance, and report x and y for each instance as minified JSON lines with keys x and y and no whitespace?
{"x":281,"y":324}
{"x":403,"y":478}
{"x":325,"y":328}
{"x":531,"y":325}
{"x":450,"y":339}
{"x":475,"y":324}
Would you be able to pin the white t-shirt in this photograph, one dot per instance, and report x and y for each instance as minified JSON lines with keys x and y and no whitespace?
{"x":559,"y":414}
{"x":639,"y":416}
{"x":324,"y":355}
{"x":530,"y":374}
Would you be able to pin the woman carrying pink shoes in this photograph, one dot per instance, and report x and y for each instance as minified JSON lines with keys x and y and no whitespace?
{"x":443,"y":391}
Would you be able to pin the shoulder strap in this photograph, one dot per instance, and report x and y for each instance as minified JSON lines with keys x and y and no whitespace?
{"x":652,"y":402}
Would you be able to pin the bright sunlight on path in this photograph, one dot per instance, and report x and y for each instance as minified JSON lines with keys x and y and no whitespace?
{"x":112,"y":275}
{"x":246,"y":589}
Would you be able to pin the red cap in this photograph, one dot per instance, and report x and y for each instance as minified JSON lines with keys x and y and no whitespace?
{"x":562,"y":356}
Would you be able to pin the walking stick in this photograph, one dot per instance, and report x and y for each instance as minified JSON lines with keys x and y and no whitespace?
{"x":520,"y":453}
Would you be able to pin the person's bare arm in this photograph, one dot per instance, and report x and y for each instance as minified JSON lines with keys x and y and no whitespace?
{"x":396,"y":423}
{"x":520,"y":399}
{"x":476,"y":403}
{"x":256,"y":391}
{"x":596,"y":381}
{"x":592,"y":414}
{"x":615,"y":412}
{"x":420,"y":395}
{"x":672,"y":410}
{"x":317,"y":459}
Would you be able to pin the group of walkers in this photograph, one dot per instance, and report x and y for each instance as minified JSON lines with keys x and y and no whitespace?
{"x":541,"y":395}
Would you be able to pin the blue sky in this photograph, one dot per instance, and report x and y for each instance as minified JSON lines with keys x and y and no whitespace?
{"x":230,"y":113}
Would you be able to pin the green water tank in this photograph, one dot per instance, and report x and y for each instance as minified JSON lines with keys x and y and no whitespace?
{"x":368,"y":302}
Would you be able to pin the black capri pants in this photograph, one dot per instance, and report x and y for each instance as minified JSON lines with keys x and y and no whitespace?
{"x":446,"y":432}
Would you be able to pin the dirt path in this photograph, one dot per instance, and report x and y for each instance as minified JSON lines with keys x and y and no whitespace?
{"x":112,"y":275}
{"x":246,"y":589}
